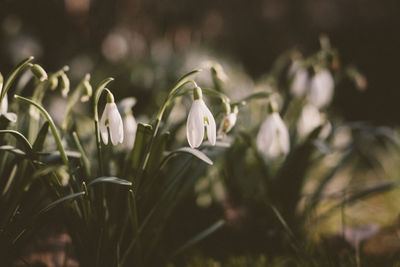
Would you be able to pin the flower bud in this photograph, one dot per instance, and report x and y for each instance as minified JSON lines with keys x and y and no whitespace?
{"x":88,"y":91}
{"x":64,"y":84}
{"x":39,"y":72}
{"x":53,"y":82}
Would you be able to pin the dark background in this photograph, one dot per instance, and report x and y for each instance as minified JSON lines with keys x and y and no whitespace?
{"x":253,"y":33}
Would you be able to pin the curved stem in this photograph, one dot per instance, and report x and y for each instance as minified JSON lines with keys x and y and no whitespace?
{"x":52,"y":127}
{"x":19,"y":137}
{"x":97,"y":95}
{"x":10,"y":79}
{"x":73,"y":100}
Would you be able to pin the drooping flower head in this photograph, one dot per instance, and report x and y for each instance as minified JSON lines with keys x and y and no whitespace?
{"x":273,"y":136}
{"x":228,"y":122}
{"x":310,"y":119}
{"x":199,"y":117}
{"x":321,"y":91}
{"x":300,"y":82}
{"x":111,"y":122}
{"x":4,"y":102}
{"x":129,"y":122}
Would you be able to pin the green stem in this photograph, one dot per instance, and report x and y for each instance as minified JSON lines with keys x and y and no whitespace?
{"x":174,"y":92}
{"x":10,"y":79}
{"x":99,"y":91}
{"x":84,"y":158}
{"x":74,"y":99}
{"x":52,"y":127}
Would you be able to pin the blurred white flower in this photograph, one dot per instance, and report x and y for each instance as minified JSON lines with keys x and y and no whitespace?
{"x":342,"y":137}
{"x":310,"y":119}
{"x":300,"y":82}
{"x":227,"y":122}
{"x":273,"y":137}
{"x":129,"y":121}
{"x":355,"y":235}
{"x":130,"y":127}
{"x":112,"y":120}
{"x":321,"y":91}
{"x":4,"y":104}
{"x":199,"y":117}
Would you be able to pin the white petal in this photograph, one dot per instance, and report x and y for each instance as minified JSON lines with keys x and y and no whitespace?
{"x":116,"y":126}
{"x":130,"y":127}
{"x":300,"y":82}
{"x":4,"y":105}
{"x":195,"y":124}
{"x":266,"y":135}
{"x":310,"y":119}
{"x":211,"y":127}
{"x":321,"y":92}
{"x":103,"y":126}
{"x":282,"y":133}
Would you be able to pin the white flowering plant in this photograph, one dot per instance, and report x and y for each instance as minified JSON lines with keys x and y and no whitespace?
{"x":287,"y":152}
{"x":118,"y":182}
{"x":113,"y":181}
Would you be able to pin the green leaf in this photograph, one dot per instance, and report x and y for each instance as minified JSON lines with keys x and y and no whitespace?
{"x":194,"y":152}
{"x":41,"y":137}
{"x":157,"y":152}
{"x":52,"y":127}
{"x":20,"y":137}
{"x":58,"y":201}
{"x":14,"y":150}
{"x":113,"y":180}
{"x":56,"y":156}
{"x":144,"y":133}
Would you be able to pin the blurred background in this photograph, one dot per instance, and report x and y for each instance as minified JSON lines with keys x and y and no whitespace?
{"x":100,"y":35}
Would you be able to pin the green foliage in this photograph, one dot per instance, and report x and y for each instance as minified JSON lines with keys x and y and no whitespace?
{"x":120,"y":203}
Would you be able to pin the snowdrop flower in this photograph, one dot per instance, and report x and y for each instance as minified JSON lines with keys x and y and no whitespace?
{"x":300,"y":82}
{"x":198,"y":118}
{"x":228,"y":122}
{"x":129,"y":121}
{"x":273,"y":137}
{"x":12,"y":117}
{"x":4,"y":104}
{"x":111,"y":121}
{"x":310,"y":119}
{"x":321,"y":91}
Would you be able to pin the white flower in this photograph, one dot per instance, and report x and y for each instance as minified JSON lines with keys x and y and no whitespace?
{"x":4,"y":102}
{"x":200,"y":117}
{"x":112,"y":120}
{"x":4,"y":105}
{"x":227,"y":123}
{"x":300,"y":82}
{"x":310,"y":119}
{"x":273,"y":137}
{"x":321,"y":91}
{"x":130,"y":127}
